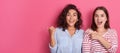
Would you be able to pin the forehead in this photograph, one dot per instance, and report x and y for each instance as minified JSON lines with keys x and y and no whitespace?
{"x":72,"y":11}
{"x":99,"y":12}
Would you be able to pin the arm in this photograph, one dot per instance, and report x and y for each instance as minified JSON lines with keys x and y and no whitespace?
{"x":53,"y":41}
{"x":101,"y":39}
{"x":86,"y":42}
{"x":114,"y":42}
{"x":110,"y":44}
{"x":104,"y":42}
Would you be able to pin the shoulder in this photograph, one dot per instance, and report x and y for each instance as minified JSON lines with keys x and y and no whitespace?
{"x":112,"y":31}
{"x":88,"y":31}
{"x":81,"y":30}
{"x":59,"y":30}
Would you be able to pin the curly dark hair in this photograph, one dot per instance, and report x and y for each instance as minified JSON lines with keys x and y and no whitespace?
{"x":62,"y":23}
{"x":107,"y":25}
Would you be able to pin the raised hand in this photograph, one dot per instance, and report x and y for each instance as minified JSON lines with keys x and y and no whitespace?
{"x":52,"y":31}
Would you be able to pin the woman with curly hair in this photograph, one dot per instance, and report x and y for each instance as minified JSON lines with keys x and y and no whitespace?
{"x":67,"y":37}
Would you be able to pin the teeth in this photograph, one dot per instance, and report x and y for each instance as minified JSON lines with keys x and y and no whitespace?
{"x":100,"y":22}
{"x":71,"y":21}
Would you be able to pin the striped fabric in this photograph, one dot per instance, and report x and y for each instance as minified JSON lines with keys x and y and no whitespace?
{"x":94,"y":46}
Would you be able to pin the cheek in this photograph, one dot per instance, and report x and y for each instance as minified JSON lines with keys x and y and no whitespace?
{"x":105,"y":19}
{"x":95,"y":20}
{"x":76,"y":18}
{"x":67,"y":18}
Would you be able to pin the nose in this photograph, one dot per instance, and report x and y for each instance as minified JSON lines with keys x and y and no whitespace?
{"x":98,"y":17}
{"x":71,"y":17}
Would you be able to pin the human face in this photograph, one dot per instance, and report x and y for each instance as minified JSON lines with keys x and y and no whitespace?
{"x":100,"y":18}
{"x":71,"y":17}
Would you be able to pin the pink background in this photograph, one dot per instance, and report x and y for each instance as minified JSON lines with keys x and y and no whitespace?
{"x":24,"y":23}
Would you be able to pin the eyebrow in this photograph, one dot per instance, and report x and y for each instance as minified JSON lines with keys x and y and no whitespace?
{"x":75,"y":13}
{"x":100,"y":14}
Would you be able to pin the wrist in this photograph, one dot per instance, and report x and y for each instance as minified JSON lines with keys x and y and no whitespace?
{"x":52,"y":43}
{"x":100,"y":38}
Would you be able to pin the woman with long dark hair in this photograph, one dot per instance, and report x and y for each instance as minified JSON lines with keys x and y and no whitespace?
{"x":100,"y":38}
{"x":67,"y":37}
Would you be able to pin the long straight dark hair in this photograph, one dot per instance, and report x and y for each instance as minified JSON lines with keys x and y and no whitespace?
{"x":93,"y":25}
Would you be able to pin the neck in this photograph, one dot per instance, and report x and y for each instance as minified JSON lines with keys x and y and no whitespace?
{"x":101,"y":29}
{"x":71,"y":28}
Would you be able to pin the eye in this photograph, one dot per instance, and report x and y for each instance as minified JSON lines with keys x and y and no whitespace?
{"x":68,"y":14}
{"x":96,"y":15}
{"x":102,"y":15}
{"x":75,"y":14}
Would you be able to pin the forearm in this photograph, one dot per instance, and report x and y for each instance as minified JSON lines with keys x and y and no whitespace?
{"x":104,"y":42}
{"x":52,"y":42}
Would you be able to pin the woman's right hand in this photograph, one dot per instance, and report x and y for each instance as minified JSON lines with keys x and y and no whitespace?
{"x":52,"y":31}
{"x":95,"y":35}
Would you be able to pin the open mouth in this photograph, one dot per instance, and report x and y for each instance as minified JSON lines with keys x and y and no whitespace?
{"x":99,"y":22}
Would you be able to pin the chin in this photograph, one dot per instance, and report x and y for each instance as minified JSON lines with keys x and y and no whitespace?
{"x":100,"y":26}
{"x":71,"y":25}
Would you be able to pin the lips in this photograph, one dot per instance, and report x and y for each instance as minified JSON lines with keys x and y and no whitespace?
{"x":99,"y":22}
{"x":71,"y":21}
